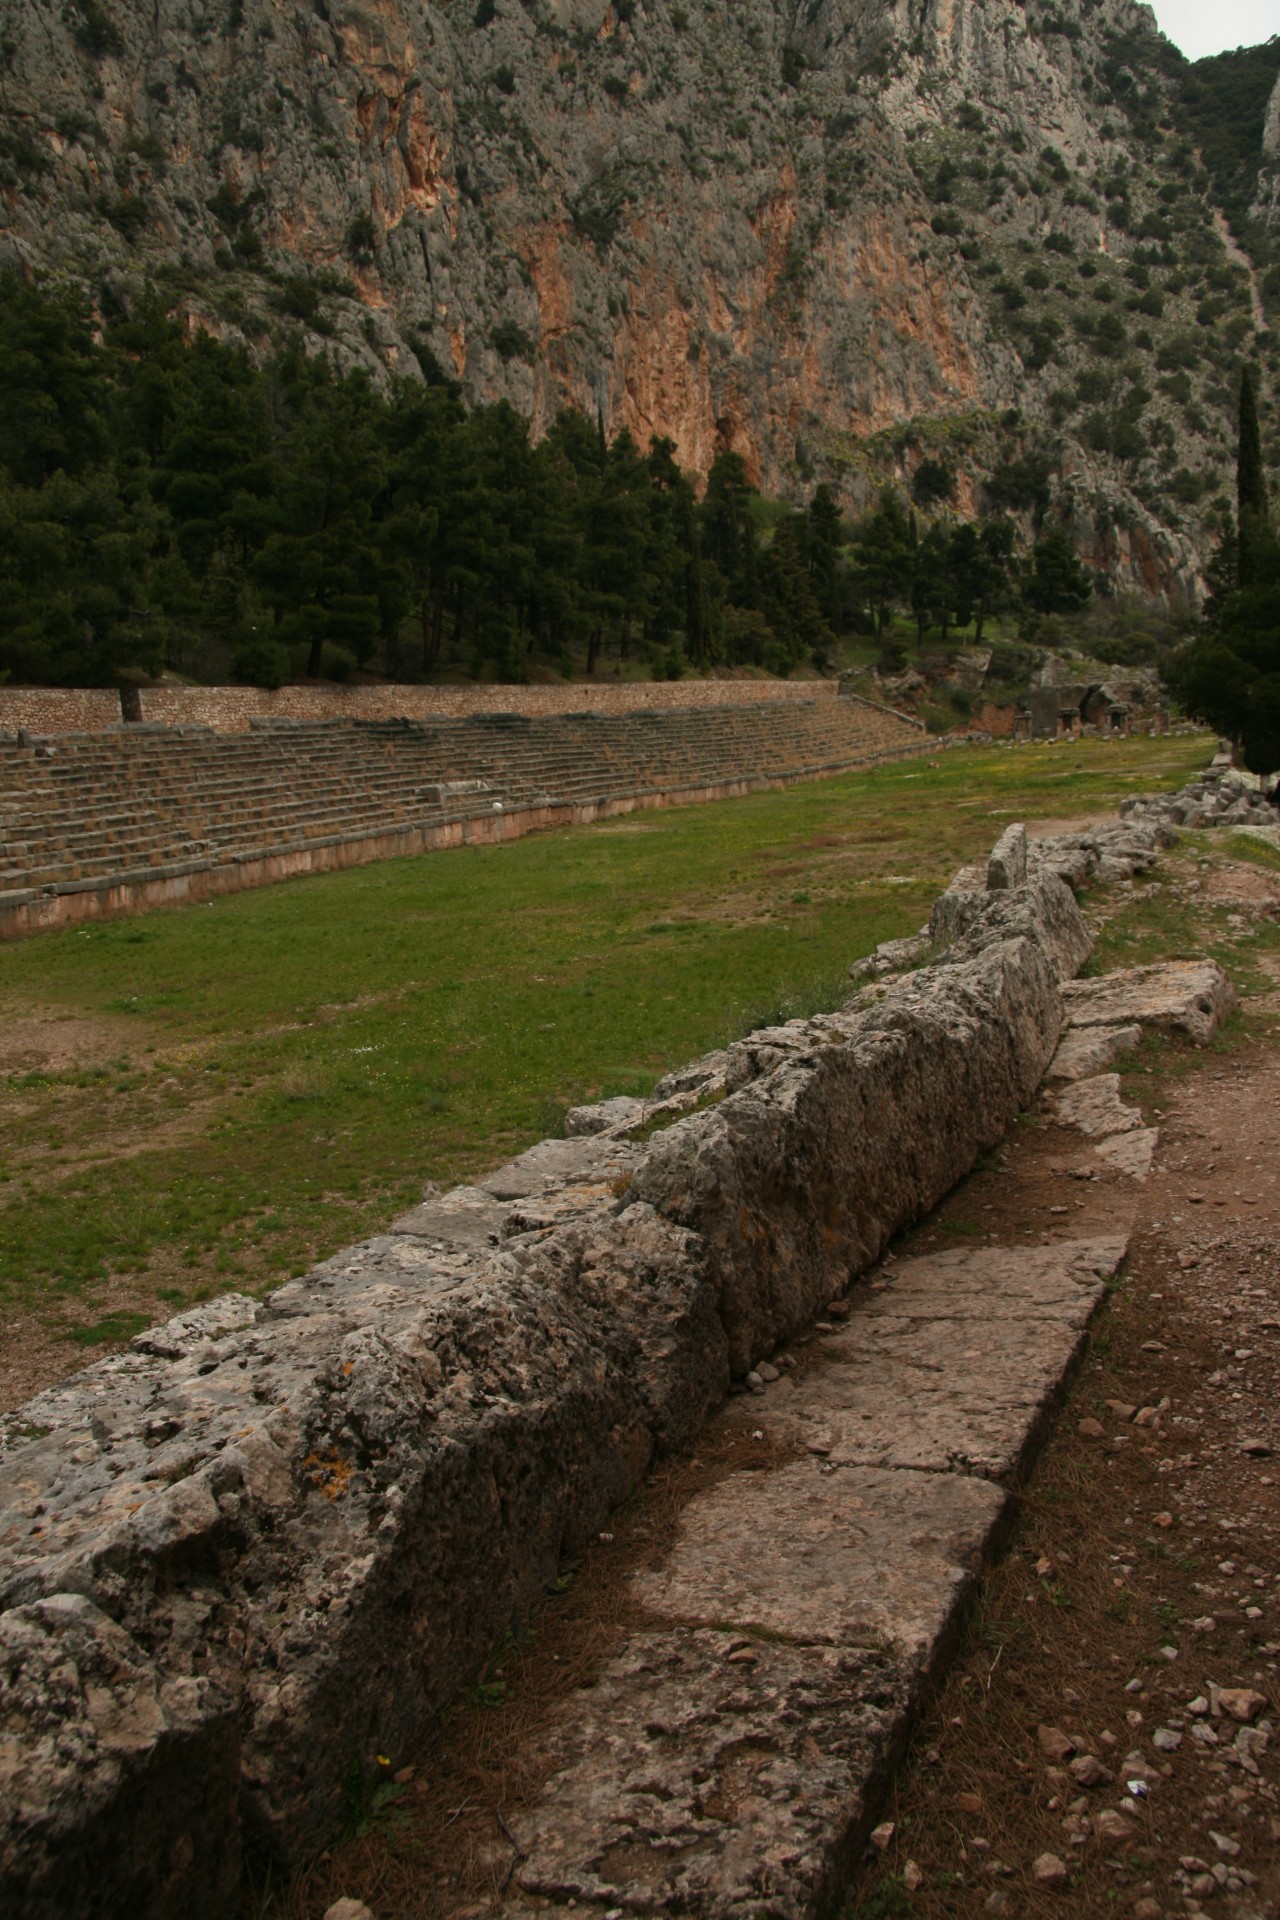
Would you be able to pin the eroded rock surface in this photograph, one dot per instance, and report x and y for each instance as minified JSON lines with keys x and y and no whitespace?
{"x":1192,"y":997}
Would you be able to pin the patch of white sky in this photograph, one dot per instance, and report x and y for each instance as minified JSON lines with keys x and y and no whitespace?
{"x":1199,"y":28}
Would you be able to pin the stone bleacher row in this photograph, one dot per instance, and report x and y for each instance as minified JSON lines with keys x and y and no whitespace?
{"x":137,"y":804}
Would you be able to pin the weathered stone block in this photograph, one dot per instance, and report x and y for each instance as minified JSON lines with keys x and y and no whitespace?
{"x":1187,"y":996}
{"x":330,"y":1513}
{"x":1007,"y":866}
{"x":799,"y":1180}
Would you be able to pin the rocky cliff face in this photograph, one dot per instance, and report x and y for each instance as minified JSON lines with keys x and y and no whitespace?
{"x":836,"y":237}
{"x":1267,"y":205}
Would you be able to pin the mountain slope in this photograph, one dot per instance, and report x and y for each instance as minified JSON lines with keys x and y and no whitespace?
{"x":835,"y":238}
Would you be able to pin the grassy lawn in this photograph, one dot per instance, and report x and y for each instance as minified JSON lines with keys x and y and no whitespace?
{"x":217,"y":1096}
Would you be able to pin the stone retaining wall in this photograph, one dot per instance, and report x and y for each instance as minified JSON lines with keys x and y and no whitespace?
{"x":53,"y":710}
{"x":274,"y":1539}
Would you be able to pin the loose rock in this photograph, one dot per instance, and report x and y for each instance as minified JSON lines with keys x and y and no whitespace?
{"x":1050,"y":1871}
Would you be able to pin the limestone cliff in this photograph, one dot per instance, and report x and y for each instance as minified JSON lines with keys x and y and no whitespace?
{"x":836,"y":237}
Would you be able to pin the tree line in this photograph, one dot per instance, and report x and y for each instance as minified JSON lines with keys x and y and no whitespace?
{"x":1229,"y":674}
{"x":167,"y":502}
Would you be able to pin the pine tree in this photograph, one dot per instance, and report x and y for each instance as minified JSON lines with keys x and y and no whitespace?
{"x":1229,"y":674}
{"x":1251,"y":483}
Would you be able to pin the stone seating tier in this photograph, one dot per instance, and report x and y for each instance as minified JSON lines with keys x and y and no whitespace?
{"x":99,"y":810}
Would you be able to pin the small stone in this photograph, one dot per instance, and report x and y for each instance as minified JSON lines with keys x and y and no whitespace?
{"x":348,"y":1909}
{"x":1120,"y":1409}
{"x":767,"y":1373}
{"x":1089,"y":1771}
{"x":1205,"y":1624}
{"x":1164,"y":1520}
{"x":754,"y":1383}
{"x":882,"y":1835}
{"x":912,"y":1877}
{"x":744,"y":1657}
{"x":969,"y":1802}
{"x":1242,"y":1703}
{"x":1199,"y":1706}
{"x":1147,"y":1909}
{"x":838,"y":1309}
{"x":1225,"y":1844}
{"x":1260,"y":1449}
{"x":1203,"y":1884}
{"x":1054,"y":1744}
{"x":1091,"y":1429}
{"x":1111,"y":1825}
{"x":1049,"y":1871}
{"x":1166,"y":1740}
{"x":1045,"y":1568}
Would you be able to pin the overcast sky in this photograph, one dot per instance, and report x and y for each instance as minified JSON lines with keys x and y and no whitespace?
{"x":1211,"y":26}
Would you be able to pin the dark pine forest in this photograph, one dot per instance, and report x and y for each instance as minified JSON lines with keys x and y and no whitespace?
{"x":178,"y":504}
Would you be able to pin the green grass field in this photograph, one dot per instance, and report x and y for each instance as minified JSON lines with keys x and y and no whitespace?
{"x":215,"y":1097}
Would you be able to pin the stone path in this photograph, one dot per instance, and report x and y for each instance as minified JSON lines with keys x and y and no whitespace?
{"x":730,"y":1752}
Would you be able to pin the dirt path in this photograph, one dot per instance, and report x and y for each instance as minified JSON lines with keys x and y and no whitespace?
{"x":1145,"y":1572}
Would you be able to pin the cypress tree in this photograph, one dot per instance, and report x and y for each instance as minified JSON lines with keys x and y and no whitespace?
{"x":1251,"y":484}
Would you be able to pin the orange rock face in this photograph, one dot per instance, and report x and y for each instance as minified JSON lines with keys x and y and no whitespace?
{"x":809,"y":240}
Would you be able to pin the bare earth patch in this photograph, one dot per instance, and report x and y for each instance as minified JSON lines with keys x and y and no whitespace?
{"x":50,"y":1041}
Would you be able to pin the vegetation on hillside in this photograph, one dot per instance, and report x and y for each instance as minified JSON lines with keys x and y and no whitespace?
{"x":183,"y":506}
{"x":1229,"y":675}
{"x":1221,"y":104}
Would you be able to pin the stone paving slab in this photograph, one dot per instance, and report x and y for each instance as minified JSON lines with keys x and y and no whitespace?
{"x":707,"y":1775}
{"x":1094,"y":1107}
{"x":1130,"y":1153}
{"x":728,"y":1762}
{"x":1085,"y":1051}
{"x":1187,"y":996}
{"x":927,"y":1375}
{"x":826,"y":1556}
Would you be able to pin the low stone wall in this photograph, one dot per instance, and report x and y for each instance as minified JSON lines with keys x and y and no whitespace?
{"x":275,"y":1538}
{"x":231,"y":709}
{"x":46,"y":710}
{"x":53,"y":710}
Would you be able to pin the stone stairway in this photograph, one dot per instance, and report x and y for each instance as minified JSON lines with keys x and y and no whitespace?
{"x":132,"y":808}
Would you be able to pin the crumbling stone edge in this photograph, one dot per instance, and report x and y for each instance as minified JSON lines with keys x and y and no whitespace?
{"x":275,"y":1538}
